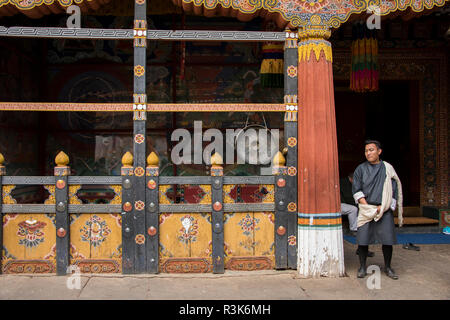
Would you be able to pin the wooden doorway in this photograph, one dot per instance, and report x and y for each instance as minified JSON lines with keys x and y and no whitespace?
{"x":390,"y":115}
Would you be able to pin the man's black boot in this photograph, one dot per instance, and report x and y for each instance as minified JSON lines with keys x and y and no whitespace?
{"x":387,"y":253}
{"x":362,"y":272}
{"x":390,"y":273}
{"x":362,"y":260}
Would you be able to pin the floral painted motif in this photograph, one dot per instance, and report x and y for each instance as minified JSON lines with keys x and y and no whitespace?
{"x":271,"y":216}
{"x":292,"y":71}
{"x":163,"y":217}
{"x":249,"y":245}
{"x":8,"y":217}
{"x":139,"y":71}
{"x":248,"y":224}
{"x":118,"y":218}
{"x":189,"y":230}
{"x":292,"y":240}
{"x":95,"y":231}
{"x":31,"y":233}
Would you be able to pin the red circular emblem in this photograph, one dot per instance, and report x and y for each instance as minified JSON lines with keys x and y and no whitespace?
{"x":127,"y":207}
{"x":281,"y":183}
{"x":217,"y":206}
{"x":281,"y":230}
{"x":151,"y":231}
{"x":61,"y":232}
{"x":151,"y":184}
{"x":60,"y":184}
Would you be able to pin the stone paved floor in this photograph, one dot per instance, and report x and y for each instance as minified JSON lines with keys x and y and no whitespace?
{"x":423,"y":275}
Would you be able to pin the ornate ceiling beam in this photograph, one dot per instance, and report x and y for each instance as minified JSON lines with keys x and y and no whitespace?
{"x":302,"y":13}
{"x":38,"y":8}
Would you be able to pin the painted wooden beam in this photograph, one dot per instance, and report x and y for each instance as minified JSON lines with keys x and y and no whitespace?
{"x":61,"y":172}
{"x":152,"y":213}
{"x":150,"y":107}
{"x":128,"y":244}
{"x":290,"y":141}
{"x":217,"y":225}
{"x":139,"y":135}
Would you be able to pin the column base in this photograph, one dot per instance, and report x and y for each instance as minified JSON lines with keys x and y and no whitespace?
{"x":320,"y":246}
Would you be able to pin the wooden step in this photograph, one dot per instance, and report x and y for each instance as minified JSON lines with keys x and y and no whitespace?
{"x":416,"y":220}
{"x":410,"y":212}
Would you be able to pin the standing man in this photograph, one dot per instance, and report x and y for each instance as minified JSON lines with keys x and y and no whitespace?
{"x":348,"y":206}
{"x":377,"y":190}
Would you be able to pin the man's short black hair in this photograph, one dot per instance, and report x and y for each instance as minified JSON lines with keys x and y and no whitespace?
{"x":375,"y":142}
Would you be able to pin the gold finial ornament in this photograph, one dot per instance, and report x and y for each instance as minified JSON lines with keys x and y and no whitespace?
{"x":2,"y":159}
{"x":127,"y":159}
{"x":152,"y":160}
{"x":279,"y":159}
{"x":62,"y":159}
{"x":216,"y":159}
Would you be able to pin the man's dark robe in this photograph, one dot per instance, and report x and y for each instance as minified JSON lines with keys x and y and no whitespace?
{"x":368,"y":180}
{"x":346,"y":191}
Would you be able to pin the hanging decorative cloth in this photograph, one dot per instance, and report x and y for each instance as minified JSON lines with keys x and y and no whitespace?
{"x":272,"y":65}
{"x":365,"y":70}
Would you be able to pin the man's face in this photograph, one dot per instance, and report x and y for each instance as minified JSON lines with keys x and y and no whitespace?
{"x":372,"y":153}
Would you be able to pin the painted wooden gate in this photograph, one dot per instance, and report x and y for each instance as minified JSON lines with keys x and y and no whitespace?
{"x":235,"y":223}
{"x":238,"y":223}
{"x":186,"y":242}
{"x":61,"y":232}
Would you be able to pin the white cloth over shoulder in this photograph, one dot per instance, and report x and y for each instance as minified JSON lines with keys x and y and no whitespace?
{"x":368,"y":212}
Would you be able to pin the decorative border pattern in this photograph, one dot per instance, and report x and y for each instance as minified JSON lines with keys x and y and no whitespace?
{"x":331,"y":13}
{"x":29,"y":266}
{"x":26,"y":180}
{"x":27,"y":5}
{"x":129,"y":34}
{"x":186,"y":265}
{"x":250,"y":263}
{"x":205,"y":35}
{"x":82,"y":107}
{"x":98,"y":266}
{"x":128,"y":107}
{"x":66,"y":33}
{"x":207,"y":107}
{"x":319,"y":220}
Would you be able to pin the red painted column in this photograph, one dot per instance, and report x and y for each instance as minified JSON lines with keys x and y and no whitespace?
{"x":318,"y":177}
{"x":319,"y":221}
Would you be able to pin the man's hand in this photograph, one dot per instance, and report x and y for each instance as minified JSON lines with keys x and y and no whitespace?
{"x":362,"y":201}
{"x":378,"y":209}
